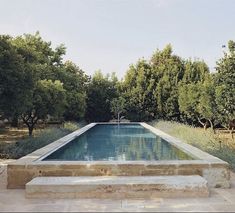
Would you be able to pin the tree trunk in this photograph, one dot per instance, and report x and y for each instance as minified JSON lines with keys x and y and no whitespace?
{"x":203,"y":124}
{"x":30,"y":128}
{"x":204,"y":127}
{"x":212,"y":126}
{"x":30,"y":121}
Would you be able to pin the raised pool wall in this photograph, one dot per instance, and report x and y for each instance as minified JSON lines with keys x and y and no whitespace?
{"x":213,"y":169}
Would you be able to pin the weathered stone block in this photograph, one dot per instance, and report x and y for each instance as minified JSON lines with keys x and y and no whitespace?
{"x":217,"y":177}
{"x":117,"y":187}
{"x":18,"y":178}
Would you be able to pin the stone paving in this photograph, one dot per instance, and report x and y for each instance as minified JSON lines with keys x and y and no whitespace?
{"x":220,"y":200}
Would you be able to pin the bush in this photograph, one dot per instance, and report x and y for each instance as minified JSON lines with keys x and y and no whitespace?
{"x":72,"y":126}
{"x":204,"y":140}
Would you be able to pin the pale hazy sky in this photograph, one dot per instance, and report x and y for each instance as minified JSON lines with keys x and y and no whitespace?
{"x":111,"y":34}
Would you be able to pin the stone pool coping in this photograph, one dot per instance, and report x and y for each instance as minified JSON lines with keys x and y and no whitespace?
{"x":213,"y":169}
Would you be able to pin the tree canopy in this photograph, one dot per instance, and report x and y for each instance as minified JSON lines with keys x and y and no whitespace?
{"x":36,"y":83}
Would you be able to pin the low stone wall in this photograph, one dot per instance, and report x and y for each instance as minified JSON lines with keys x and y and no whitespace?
{"x":217,"y":175}
{"x":3,"y":173}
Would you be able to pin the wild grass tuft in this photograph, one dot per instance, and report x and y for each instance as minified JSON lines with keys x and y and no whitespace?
{"x":72,"y":126}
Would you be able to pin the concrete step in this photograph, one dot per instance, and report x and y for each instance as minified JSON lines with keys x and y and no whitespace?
{"x":118,"y":187}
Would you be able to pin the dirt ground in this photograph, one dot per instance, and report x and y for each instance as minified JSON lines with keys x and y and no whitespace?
{"x":226,"y":138}
{"x":11,"y":135}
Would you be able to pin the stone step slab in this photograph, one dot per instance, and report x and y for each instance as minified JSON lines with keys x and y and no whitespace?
{"x":117,"y":187}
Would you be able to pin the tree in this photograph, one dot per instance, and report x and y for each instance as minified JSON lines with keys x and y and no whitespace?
{"x":118,"y":106}
{"x":43,"y":62}
{"x":168,"y":71}
{"x":48,"y":98}
{"x":195,"y":71}
{"x":197,"y":102}
{"x":15,"y":80}
{"x":207,"y":106}
{"x":138,"y":91}
{"x":195,"y":90}
{"x":75,"y":83}
{"x":225,"y":85}
{"x":188,"y":101}
{"x":101,"y":91}
{"x":27,"y":64}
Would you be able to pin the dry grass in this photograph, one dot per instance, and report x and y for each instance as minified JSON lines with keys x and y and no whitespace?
{"x":22,"y":144}
{"x":215,"y":144}
{"x":11,"y":135}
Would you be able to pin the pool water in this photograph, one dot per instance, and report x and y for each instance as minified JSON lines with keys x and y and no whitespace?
{"x":112,"y":142}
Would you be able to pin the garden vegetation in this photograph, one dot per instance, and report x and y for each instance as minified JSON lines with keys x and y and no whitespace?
{"x":27,"y":145}
{"x":38,"y":85}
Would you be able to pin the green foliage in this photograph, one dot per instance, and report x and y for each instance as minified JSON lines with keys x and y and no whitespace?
{"x":196,"y":94}
{"x":138,"y":90}
{"x":35,"y":50}
{"x":225,"y":85}
{"x":35,"y":83}
{"x":195,"y":71}
{"x":15,"y":80}
{"x":48,"y":98}
{"x":75,"y":84}
{"x":188,"y":100}
{"x":118,"y":106}
{"x":151,"y":88}
{"x":101,"y":91}
{"x":168,"y":69}
{"x":170,"y":88}
{"x":26,"y":69}
{"x":207,"y":107}
{"x":72,"y":126}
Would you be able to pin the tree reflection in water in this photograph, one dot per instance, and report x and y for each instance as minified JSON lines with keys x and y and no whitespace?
{"x":124,"y":142}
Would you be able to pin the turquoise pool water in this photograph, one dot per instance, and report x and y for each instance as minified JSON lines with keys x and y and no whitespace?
{"x":111,"y":142}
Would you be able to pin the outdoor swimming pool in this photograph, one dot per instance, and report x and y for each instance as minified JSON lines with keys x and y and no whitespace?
{"x":106,"y":149}
{"x":123,"y":142}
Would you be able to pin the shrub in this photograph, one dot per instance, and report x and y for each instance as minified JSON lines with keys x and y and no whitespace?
{"x":72,"y":126}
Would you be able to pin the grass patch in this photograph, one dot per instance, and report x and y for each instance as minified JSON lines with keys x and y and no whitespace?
{"x":72,"y":126}
{"x":29,"y":144}
{"x":204,"y":140}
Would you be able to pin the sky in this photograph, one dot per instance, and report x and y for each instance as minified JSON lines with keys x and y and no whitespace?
{"x":109,"y":35}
